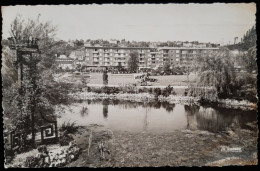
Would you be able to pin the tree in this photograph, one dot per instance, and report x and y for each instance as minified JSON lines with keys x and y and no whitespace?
{"x":133,"y":61}
{"x":79,"y":43}
{"x":44,"y":31}
{"x":105,"y":77}
{"x":167,"y":68}
{"x":249,"y":39}
{"x":248,"y":59}
{"x":216,"y":77}
{"x":40,"y":89}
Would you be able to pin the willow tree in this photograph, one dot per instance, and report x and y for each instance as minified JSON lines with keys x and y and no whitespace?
{"x":216,"y":76}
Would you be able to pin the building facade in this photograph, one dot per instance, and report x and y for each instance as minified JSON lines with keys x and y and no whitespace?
{"x":115,"y":56}
{"x":149,"y":57}
{"x":65,"y":63}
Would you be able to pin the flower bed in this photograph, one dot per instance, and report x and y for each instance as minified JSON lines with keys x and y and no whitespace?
{"x":55,"y":156}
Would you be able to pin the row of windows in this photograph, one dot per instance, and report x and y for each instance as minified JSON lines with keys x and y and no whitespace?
{"x":115,"y":50}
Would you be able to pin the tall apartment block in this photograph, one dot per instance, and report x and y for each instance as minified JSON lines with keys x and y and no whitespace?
{"x":148,"y":57}
{"x":111,"y":57}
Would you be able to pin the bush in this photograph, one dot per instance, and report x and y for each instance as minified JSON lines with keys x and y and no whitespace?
{"x":157,"y":92}
{"x":105,"y":90}
{"x":96,"y":89}
{"x":186,"y":91}
{"x":65,"y":130}
{"x":168,"y":91}
{"x":69,"y":127}
{"x":128,"y":89}
{"x":114,"y":90}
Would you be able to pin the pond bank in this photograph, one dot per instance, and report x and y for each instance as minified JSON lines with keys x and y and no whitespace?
{"x":235,"y":146}
{"x":180,"y":148}
{"x":172,"y":99}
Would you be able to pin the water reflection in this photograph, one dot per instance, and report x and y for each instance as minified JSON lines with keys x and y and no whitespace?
{"x":130,"y":105}
{"x":155,"y":116}
{"x":217,"y":118}
{"x":84,"y":111}
{"x":105,"y":108}
{"x":191,"y":111}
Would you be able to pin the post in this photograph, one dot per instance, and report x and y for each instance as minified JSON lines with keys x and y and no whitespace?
{"x":56,"y":130}
{"x":20,"y":67}
{"x":21,"y":49}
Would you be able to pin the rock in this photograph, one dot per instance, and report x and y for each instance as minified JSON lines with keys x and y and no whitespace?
{"x":63,"y":160}
{"x":218,"y":136}
{"x":251,"y":126}
{"x":42,"y":149}
{"x":72,"y":157}
{"x":230,"y":133}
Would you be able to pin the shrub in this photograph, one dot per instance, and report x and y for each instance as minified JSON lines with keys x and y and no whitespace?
{"x":96,"y":89}
{"x":128,"y":89}
{"x":140,"y":90}
{"x":146,"y":90}
{"x":186,"y":92}
{"x":157,"y":92}
{"x":69,"y":127}
{"x":168,"y":91}
{"x":115,"y":90}
{"x":105,"y":90}
{"x":65,"y":130}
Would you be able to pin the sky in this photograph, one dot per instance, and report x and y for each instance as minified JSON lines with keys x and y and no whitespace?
{"x":215,"y":23}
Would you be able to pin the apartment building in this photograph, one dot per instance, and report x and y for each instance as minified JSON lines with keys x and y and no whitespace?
{"x":149,"y":57}
{"x":115,"y":56}
{"x":182,"y":56}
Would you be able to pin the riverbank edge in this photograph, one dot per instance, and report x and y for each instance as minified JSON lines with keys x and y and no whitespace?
{"x":172,"y":99}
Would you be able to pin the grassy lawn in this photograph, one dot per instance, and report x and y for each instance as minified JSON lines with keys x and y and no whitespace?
{"x":116,"y":79}
{"x":122,"y":79}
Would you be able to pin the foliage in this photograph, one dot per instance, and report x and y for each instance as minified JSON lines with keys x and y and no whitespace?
{"x":249,"y":39}
{"x":128,"y":88}
{"x":246,"y":87}
{"x":133,"y":61}
{"x":39,"y":91}
{"x":167,"y":68}
{"x":44,"y":31}
{"x":168,"y":91}
{"x":105,"y":77}
{"x":248,"y":59}
{"x":216,"y":77}
{"x":68,"y":127}
{"x":110,"y":90}
{"x":157,"y":92}
{"x":79,"y":43}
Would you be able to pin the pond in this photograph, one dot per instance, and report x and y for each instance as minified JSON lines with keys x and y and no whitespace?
{"x":154,"y":117}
